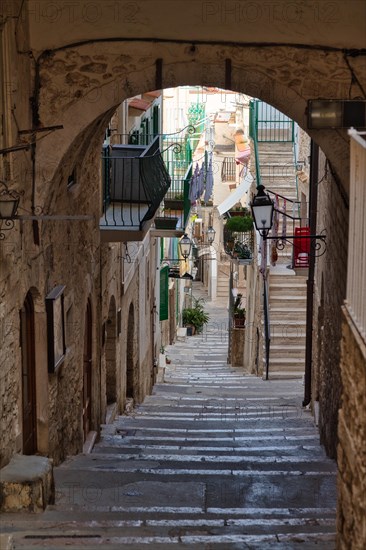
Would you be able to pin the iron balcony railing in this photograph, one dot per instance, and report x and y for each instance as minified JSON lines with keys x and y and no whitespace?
{"x":270,"y":125}
{"x":135,"y":180}
{"x":239,"y":246}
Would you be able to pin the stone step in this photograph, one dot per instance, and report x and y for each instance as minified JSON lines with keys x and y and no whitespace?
{"x":286,"y":364}
{"x":292,"y":301}
{"x":282,"y":314}
{"x":287,"y":350}
{"x":284,"y":290}
{"x":219,"y":532}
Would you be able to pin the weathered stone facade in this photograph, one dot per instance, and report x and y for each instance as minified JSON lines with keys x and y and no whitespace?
{"x":330,"y":291}
{"x":38,"y":255}
{"x":352,"y":435}
{"x":74,"y":73}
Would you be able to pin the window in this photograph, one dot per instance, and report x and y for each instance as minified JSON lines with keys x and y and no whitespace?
{"x":228,"y":170}
{"x":164,"y":293}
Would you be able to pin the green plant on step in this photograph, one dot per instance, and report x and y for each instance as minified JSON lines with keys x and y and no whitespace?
{"x":196,"y":315}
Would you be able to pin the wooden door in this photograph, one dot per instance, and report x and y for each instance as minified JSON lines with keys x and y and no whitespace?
{"x":28,"y":377}
{"x":87,"y":371}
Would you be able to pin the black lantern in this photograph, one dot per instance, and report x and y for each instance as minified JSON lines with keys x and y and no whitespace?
{"x":262,"y":209}
{"x":9,"y":201}
{"x":211,"y":233}
{"x":185,"y":246}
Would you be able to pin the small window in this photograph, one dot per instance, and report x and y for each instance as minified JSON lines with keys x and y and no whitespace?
{"x":228,"y":171}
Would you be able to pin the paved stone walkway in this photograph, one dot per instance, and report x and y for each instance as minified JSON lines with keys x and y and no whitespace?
{"x":212,"y":460}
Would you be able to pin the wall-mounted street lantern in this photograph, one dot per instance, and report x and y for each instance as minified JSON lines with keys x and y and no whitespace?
{"x":185,"y":246}
{"x":262,"y":209}
{"x":9,"y":201}
{"x":331,"y":113}
{"x":211,"y":234}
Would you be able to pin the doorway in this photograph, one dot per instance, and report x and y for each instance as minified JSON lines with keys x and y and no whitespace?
{"x":28,"y":376}
{"x":87,"y":371}
{"x":130,"y":366}
{"x":111,"y":354}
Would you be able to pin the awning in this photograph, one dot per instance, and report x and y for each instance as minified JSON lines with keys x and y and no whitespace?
{"x":235,"y":197}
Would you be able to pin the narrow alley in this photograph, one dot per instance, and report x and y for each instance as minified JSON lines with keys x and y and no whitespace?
{"x":213,"y":459}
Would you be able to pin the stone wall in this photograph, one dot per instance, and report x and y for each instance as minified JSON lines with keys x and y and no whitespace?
{"x":38,"y":255}
{"x":330,"y":290}
{"x":351,"y":513}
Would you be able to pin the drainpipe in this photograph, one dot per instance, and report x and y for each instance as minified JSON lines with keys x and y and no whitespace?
{"x":313,"y":204}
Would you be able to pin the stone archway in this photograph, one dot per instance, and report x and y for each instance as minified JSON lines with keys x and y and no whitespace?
{"x":83,"y":95}
{"x":111,"y":353}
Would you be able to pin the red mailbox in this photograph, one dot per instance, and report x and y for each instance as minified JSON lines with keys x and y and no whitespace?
{"x":301,"y":247}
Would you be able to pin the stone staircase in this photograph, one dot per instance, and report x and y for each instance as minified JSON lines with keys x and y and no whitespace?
{"x":211,"y":460}
{"x":287,"y":291}
{"x":277,"y":168}
{"x":223,"y":280}
{"x":287,"y":309}
{"x":278,"y":174}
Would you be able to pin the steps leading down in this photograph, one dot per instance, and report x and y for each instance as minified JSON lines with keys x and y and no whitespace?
{"x":212,"y":460}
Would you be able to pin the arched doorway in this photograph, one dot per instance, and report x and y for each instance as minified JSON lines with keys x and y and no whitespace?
{"x":130,"y":352}
{"x":87,"y":371}
{"x":29,"y":415}
{"x":110,"y":354}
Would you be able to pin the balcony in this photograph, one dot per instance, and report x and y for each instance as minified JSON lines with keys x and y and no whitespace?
{"x":135,"y":181}
{"x":174,"y":211}
{"x":239,"y":245}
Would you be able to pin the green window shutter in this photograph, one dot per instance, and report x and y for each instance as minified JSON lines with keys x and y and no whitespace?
{"x":156,"y":120}
{"x":164,"y":293}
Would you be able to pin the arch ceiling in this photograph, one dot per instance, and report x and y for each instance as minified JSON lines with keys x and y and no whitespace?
{"x":283,"y":53}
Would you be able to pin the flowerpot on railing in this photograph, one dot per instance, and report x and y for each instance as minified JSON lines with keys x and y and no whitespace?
{"x":174,"y":204}
{"x":165,"y":223}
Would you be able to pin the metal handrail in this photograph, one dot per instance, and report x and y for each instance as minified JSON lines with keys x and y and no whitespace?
{"x":267,"y":324}
{"x":253,"y":134}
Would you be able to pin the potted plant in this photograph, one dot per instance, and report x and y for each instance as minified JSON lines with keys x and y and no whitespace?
{"x":239,"y":313}
{"x":195,"y":316}
{"x":239,"y":210}
{"x":241,"y":251}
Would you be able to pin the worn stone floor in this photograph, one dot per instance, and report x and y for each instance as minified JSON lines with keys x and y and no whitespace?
{"x":213,"y":459}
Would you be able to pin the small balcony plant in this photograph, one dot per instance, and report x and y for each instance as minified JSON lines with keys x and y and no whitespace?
{"x":239,"y":224}
{"x":239,"y":312}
